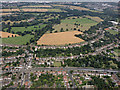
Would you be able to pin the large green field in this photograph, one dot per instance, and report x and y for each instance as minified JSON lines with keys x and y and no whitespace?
{"x":112,"y":32}
{"x":69,"y":24}
{"x":29,"y":28}
{"x":20,"y":40}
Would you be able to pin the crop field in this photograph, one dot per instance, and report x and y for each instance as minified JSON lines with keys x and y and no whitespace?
{"x":61,"y":38}
{"x":6,"y":34}
{"x":2,"y":14}
{"x":97,"y":19}
{"x":9,"y":10}
{"x":69,"y":24}
{"x":35,"y":10}
{"x":29,"y":28}
{"x":20,"y":40}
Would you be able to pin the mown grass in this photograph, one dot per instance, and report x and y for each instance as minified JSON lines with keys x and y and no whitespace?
{"x":68,"y":23}
{"x":29,"y":28}
{"x":20,"y":40}
{"x":57,"y":64}
{"x":112,"y":32}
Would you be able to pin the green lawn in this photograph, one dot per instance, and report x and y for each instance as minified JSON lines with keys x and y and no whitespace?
{"x":29,"y":28}
{"x":85,"y":24}
{"x":57,"y":64}
{"x":113,"y":32}
{"x":20,"y":40}
{"x":117,"y":52}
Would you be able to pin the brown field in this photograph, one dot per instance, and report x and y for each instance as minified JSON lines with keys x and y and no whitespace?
{"x":37,"y":6}
{"x":97,"y":19}
{"x":2,"y":14}
{"x":35,"y":10}
{"x":6,"y":34}
{"x":61,"y":38}
{"x":78,"y":8}
{"x":8,"y":10}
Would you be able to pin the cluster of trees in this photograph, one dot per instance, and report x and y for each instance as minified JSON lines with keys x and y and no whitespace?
{"x":101,"y":83}
{"x":6,"y":54}
{"x":47,"y":79}
{"x":97,"y":61}
{"x":63,"y":52}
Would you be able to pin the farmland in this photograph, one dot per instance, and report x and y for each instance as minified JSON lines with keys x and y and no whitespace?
{"x":6,"y":34}
{"x":29,"y":28}
{"x":35,"y":10}
{"x":20,"y":40}
{"x":9,"y":10}
{"x":69,"y":23}
{"x":37,"y":6}
{"x":61,"y":38}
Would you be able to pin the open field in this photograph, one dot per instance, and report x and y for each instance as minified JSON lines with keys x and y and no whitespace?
{"x":2,"y":14}
{"x":76,"y":7}
{"x":69,"y":24}
{"x":9,"y":10}
{"x":35,"y":10}
{"x":29,"y":28}
{"x":117,"y":52}
{"x":97,"y":19}
{"x":6,"y":34}
{"x":20,"y":40}
{"x":37,"y":6}
{"x":112,"y":31}
{"x":57,"y":64}
{"x":55,"y":10}
{"x":61,"y":38}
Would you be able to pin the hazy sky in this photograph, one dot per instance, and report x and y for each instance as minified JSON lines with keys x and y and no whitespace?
{"x":68,"y":0}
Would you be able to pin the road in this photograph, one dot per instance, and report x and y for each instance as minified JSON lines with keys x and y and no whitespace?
{"x":64,"y":69}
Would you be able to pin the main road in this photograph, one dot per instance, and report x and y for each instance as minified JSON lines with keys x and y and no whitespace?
{"x":28,"y":70}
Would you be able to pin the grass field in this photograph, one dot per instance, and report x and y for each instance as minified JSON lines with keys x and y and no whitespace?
{"x":68,"y":23}
{"x":97,"y":19}
{"x":60,"y":38}
{"x":57,"y":64}
{"x":29,"y":28}
{"x":17,"y":40}
{"x":6,"y":34}
{"x":112,"y":32}
{"x":117,"y":52}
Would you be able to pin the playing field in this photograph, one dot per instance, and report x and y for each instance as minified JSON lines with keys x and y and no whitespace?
{"x":29,"y":28}
{"x":20,"y":40}
{"x":97,"y":19}
{"x":69,"y":24}
{"x":57,"y":64}
{"x":61,"y":38}
{"x":6,"y":34}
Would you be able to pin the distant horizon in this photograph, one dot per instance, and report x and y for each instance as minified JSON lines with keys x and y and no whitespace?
{"x":60,"y":0}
